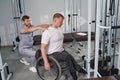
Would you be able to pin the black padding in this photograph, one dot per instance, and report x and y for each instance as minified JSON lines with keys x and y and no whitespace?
{"x":38,"y":54}
{"x":37,"y":39}
{"x":68,"y":37}
{"x":115,"y":27}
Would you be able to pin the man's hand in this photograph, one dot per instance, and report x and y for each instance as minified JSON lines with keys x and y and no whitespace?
{"x":43,"y":27}
{"x":44,"y":55}
{"x":47,"y":66}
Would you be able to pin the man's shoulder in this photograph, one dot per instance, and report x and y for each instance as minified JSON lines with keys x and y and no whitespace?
{"x":46,"y":32}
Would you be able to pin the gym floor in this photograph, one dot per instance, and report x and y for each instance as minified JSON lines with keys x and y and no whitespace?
{"x":21,"y":72}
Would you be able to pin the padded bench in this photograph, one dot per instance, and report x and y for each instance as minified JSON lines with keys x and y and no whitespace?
{"x":102,"y":78}
{"x":68,"y":37}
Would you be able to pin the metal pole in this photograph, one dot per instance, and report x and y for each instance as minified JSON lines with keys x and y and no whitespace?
{"x":97,"y":37}
{"x":104,"y":34}
{"x":1,"y":64}
{"x":115,"y":34}
{"x":66,"y":15}
{"x":79,"y":14}
{"x":89,"y":37}
{"x":71,"y":16}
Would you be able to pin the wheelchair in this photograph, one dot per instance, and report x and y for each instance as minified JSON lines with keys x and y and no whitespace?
{"x":56,"y":71}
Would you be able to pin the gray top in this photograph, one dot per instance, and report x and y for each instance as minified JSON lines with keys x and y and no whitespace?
{"x":26,"y":39}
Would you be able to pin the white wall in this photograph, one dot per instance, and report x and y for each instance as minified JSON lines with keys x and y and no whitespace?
{"x":41,"y":11}
{"x":7,"y":29}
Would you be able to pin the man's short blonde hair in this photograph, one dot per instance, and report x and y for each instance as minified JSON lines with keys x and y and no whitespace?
{"x":58,"y":15}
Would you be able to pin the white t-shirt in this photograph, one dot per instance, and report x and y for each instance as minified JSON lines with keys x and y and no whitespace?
{"x":53,"y":37}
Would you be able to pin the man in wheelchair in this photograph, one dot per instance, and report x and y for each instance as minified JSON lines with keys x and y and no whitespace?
{"x":52,"y":42}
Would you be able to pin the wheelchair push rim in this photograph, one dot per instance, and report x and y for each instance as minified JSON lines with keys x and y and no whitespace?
{"x":53,"y":74}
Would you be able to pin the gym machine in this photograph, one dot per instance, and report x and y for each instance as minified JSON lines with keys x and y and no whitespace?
{"x":18,"y":11}
{"x":108,"y":49}
{"x":100,"y":64}
{"x":73,"y":22}
{"x":4,"y":70}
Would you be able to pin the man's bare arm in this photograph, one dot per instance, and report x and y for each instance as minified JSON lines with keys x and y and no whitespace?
{"x":44,"y":55}
{"x":34,"y":28}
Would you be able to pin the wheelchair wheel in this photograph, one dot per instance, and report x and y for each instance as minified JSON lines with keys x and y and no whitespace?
{"x":53,"y":74}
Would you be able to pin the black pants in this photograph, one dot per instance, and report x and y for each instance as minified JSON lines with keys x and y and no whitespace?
{"x":65,"y":56}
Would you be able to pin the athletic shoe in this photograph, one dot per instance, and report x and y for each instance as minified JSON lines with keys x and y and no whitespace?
{"x":33,"y":69}
{"x":23,"y":60}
